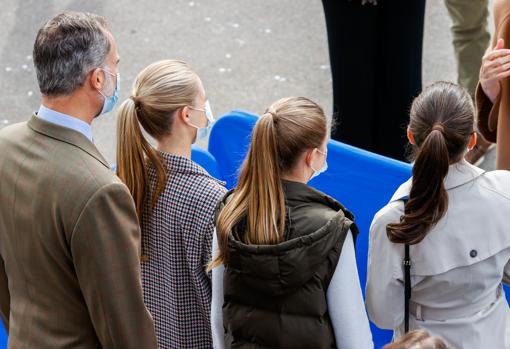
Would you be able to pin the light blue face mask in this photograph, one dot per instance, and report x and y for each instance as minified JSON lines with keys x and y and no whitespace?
{"x":203,"y":132}
{"x":323,"y":169}
{"x":109,"y":102}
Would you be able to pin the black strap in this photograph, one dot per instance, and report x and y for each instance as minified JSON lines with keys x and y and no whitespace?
{"x":407,"y":280}
{"x":407,"y":287}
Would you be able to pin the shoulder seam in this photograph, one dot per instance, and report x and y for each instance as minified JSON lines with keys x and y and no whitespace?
{"x":494,"y":191}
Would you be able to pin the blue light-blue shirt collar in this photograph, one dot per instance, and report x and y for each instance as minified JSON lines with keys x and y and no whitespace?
{"x":65,"y":120}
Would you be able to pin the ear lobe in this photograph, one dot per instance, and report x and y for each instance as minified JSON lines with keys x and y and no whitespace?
{"x":410,"y":136}
{"x":473,"y":140}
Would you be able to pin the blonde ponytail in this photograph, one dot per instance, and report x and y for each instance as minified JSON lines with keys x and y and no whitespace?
{"x":133,"y":152}
{"x":159,"y":91}
{"x":287,"y":129}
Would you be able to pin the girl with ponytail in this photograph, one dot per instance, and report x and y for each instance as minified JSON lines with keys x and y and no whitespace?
{"x":284,"y":271}
{"x":175,"y":198}
{"x":454,"y":218}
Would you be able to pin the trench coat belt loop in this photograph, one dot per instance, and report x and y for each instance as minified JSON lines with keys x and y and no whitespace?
{"x":418,"y":312}
{"x":421,"y":312}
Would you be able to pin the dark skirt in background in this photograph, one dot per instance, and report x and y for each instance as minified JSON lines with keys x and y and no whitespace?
{"x":376,"y":54}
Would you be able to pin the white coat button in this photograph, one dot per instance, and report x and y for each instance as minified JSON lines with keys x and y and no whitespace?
{"x":473,"y":253}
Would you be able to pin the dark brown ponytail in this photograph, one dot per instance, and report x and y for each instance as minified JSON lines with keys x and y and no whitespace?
{"x":441,"y":121}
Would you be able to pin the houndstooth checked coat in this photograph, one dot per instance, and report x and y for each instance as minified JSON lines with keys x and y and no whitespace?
{"x":177,"y":238}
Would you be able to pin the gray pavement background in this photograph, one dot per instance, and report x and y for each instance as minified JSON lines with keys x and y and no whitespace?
{"x":248,"y":52}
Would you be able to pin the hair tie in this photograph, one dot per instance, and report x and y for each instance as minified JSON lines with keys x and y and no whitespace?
{"x":136,"y":101}
{"x":438,"y":127}
{"x":272,"y":113}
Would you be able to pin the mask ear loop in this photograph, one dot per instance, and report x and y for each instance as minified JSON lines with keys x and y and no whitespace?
{"x":324,"y":166}
{"x":193,"y":125}
{"x":117,"y":83}
{"x":304,"y":172}
{"x":209,"y":114}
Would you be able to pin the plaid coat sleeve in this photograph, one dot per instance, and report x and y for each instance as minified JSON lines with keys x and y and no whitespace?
{"x":206,"y":204}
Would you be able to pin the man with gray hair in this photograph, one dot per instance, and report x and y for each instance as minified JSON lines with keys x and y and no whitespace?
{"x":69,"y":233}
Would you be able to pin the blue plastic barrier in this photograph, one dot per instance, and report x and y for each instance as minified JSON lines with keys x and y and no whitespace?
{"x":229,"y":141}
{"x":206,"y":160}
{"x":3,"y":338}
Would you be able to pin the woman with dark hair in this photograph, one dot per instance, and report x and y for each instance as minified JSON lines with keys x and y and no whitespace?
{"x":284,"y":269}
{"x":454,"y":218}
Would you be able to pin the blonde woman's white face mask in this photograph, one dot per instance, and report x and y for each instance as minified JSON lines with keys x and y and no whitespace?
{"x":203,"y":131}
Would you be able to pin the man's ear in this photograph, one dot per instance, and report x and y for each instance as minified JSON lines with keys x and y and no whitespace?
{"x":97,"y":79}
{"x":410,"y":136}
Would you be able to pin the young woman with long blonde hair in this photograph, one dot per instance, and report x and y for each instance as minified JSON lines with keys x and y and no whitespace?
{"x":175,"y":198}
{"x":285,"y":274}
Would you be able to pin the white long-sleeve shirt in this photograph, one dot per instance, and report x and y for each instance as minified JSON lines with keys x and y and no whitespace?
{"x":345,"y":302}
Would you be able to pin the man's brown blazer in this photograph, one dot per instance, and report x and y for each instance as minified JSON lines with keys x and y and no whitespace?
{"x":69,"y":245}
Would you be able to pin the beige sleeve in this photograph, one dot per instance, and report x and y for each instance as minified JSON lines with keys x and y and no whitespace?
{"x":105,"y":246}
